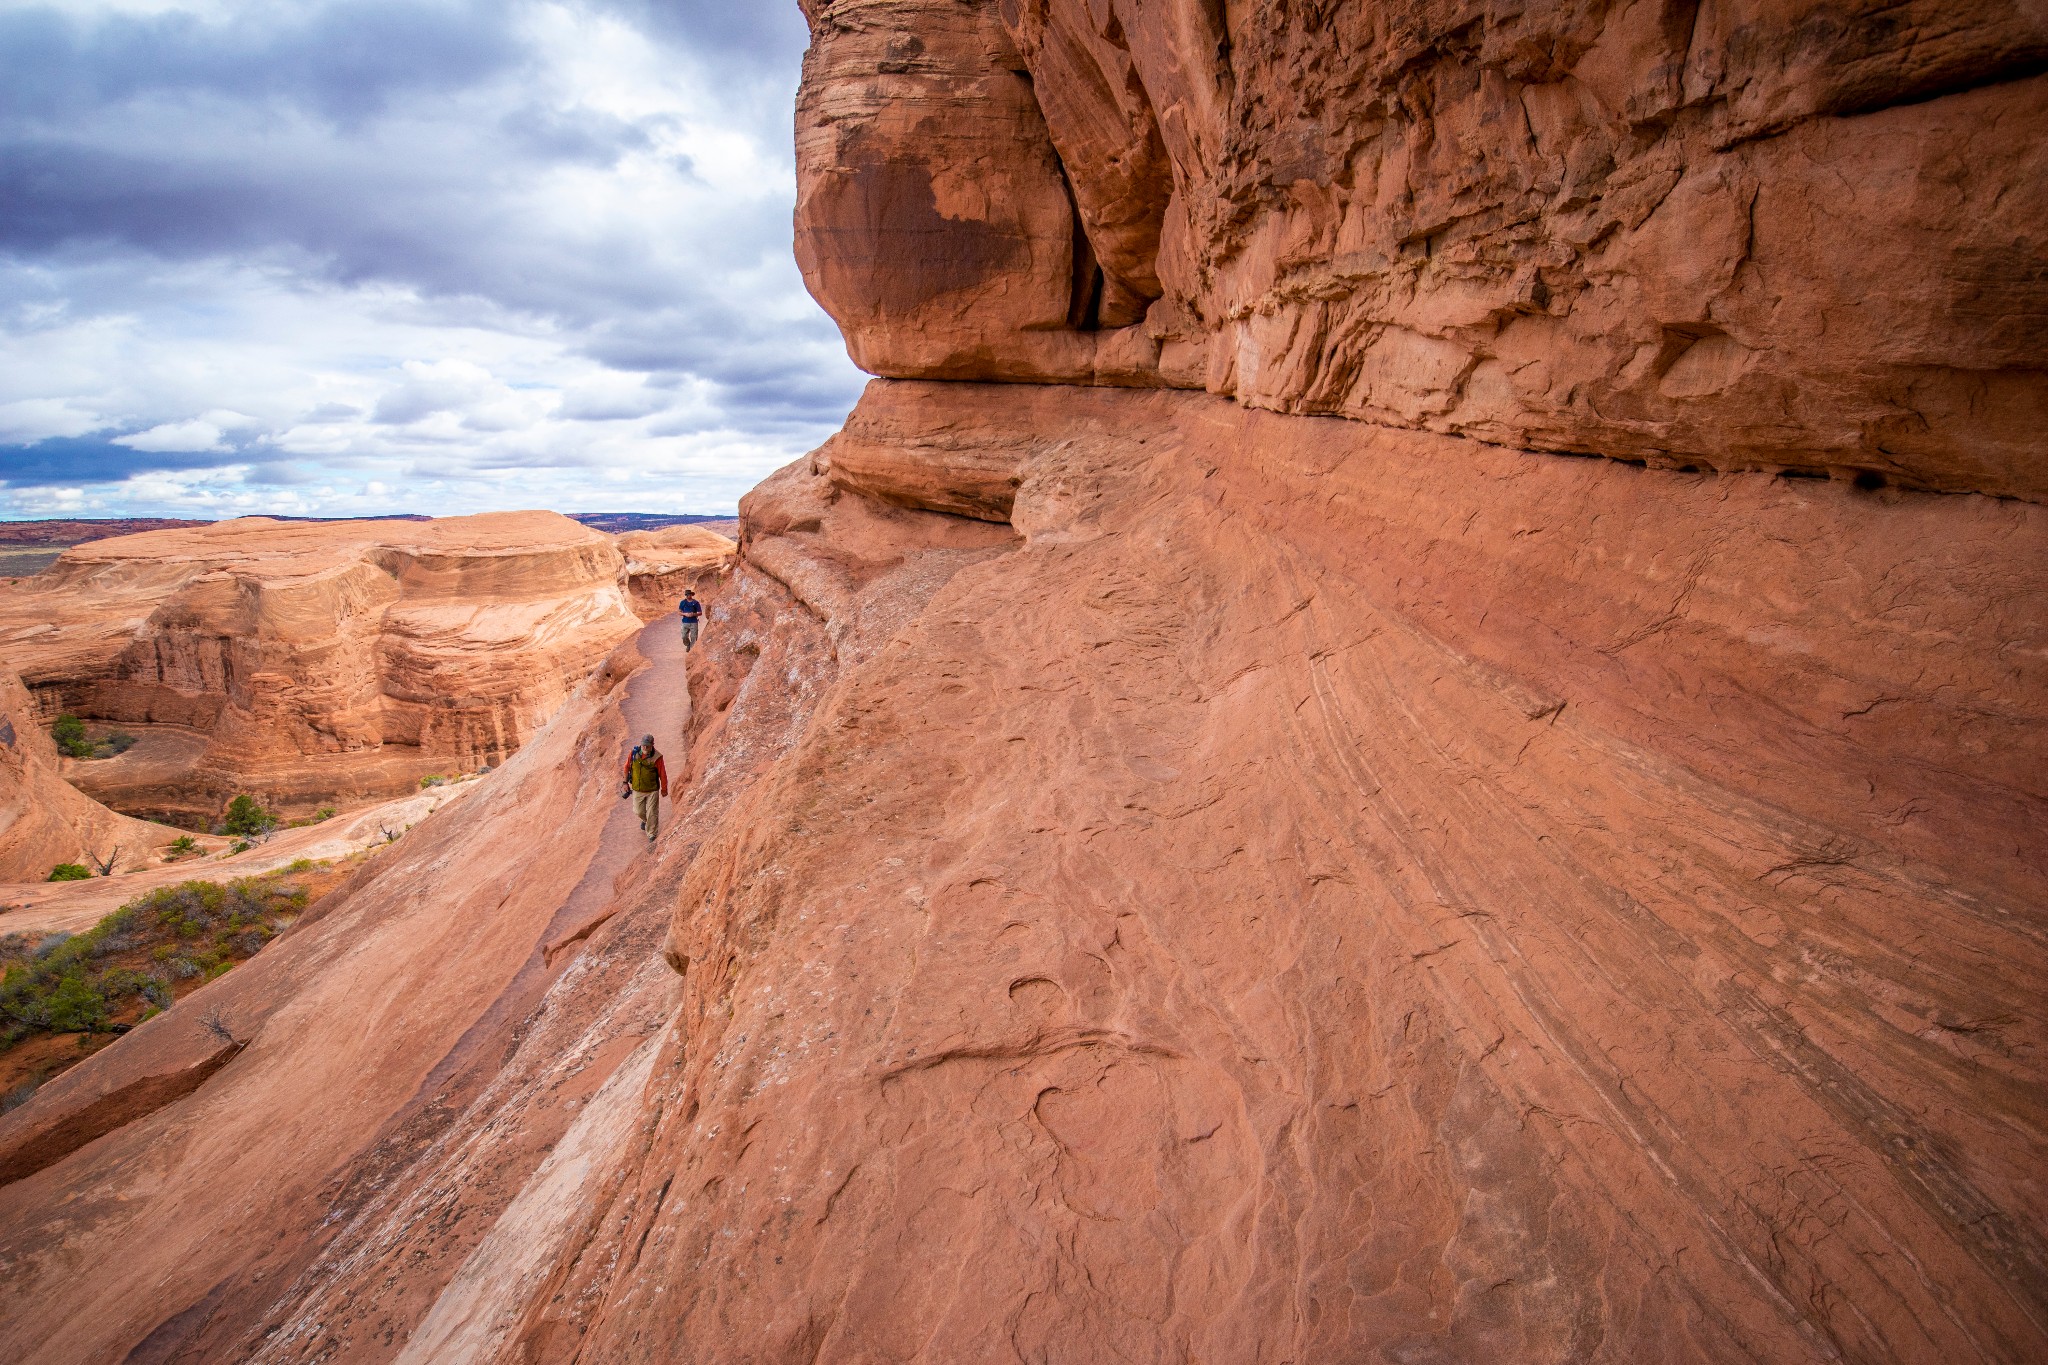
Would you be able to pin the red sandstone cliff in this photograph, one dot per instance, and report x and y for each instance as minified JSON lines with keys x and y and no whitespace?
{"x":310,"y":662}
{"x":1737,"y":235}
{"x":43,"y":819}
{"x":1163,"y":876}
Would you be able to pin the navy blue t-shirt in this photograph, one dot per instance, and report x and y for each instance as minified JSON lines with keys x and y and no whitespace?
{"x":691,"y":608}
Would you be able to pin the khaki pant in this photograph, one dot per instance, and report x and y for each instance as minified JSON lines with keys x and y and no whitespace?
{"x":689,"y":634}
{"x":647,"y":805}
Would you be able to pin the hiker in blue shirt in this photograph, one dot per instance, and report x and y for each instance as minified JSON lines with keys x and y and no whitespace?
{"x":692,"y":612}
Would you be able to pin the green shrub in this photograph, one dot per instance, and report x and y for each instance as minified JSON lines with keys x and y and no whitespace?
{"x":70,"y":872}
{"x":182,"y":845}
{"x":75,"y":1005}
{"x":69,"y":732}
{"x":433,"y":780}
{"x":246,"y":819}
{"x":71,"y":983}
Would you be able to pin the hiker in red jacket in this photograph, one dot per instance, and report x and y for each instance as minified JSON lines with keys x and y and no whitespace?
{"x":647,"y":779}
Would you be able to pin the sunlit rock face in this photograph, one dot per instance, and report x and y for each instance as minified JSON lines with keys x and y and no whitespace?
{"x":1734,"y":236}
{"x":1163,"y":875}
{"x":310,"y":662}
{"x":661,"y":564}
{"x":45,"y":821}
{"x":1332,"y":892}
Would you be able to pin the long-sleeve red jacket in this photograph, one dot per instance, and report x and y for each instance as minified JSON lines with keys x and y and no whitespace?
{"x":660,"y":771}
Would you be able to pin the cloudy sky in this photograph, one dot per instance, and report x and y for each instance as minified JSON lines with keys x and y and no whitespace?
{"x":329,"y":257}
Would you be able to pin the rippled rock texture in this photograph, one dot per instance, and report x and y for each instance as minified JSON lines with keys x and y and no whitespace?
{"x":1289,"y":891}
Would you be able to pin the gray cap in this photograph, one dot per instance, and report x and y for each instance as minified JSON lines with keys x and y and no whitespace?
{"x":647,"y":741}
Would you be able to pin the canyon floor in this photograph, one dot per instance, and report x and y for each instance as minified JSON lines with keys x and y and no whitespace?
{"x":42,"y":907}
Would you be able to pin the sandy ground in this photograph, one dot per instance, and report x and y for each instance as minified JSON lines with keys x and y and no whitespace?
{"x":45,"y":907}
{"x":159,"y":763}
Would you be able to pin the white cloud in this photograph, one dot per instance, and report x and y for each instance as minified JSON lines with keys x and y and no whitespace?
{"x":561,"y":274}
{"x":195,"y":435}
{"x":39,"y":419}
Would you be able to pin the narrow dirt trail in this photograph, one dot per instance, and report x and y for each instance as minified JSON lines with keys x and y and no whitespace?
{"x":469,"y":995}
{"x":656,"y":701}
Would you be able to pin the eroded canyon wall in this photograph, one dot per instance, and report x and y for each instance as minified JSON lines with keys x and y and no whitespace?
{"x":1167,"y":874}
{"x":45,"y":821}
{"x":1730,"y":235}
{"x":310,"y":662}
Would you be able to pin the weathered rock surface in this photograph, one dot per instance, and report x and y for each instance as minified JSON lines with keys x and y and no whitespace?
{"x":1492,"y":915}
{"x":43,"y":819}
{"x":1735,"y":236}
{"x":1165,"y":877}
{"x":369,"y":1028}
{"x":660,"y":564}
{"x":310,"y":662}
{"x":1600,"y":923}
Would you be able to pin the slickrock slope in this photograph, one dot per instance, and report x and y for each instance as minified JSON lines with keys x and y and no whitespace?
{"x":444,"y":1067}
{"x":1165,"y":874}
{"x":43,"y":819}
{"x":1525,"y":910}
{"x":1466,"y":932}
{"x":313,"y":661}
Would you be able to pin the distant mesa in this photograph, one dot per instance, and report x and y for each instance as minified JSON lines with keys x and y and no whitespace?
{"x":620,"y":522}
{"x":63,"y":532}
{"x":21,"y":535}
{"x":323,"y":662}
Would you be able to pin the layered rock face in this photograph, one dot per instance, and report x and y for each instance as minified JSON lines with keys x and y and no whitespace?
{"x":1736,"y":236}
{"x":310,"y":662}
{"x":1519,"y":909}
{"x":660,"y":564}
{"x":1164,"y":876}
{"x":43,"y":819}
{"x":1596,"y":924}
